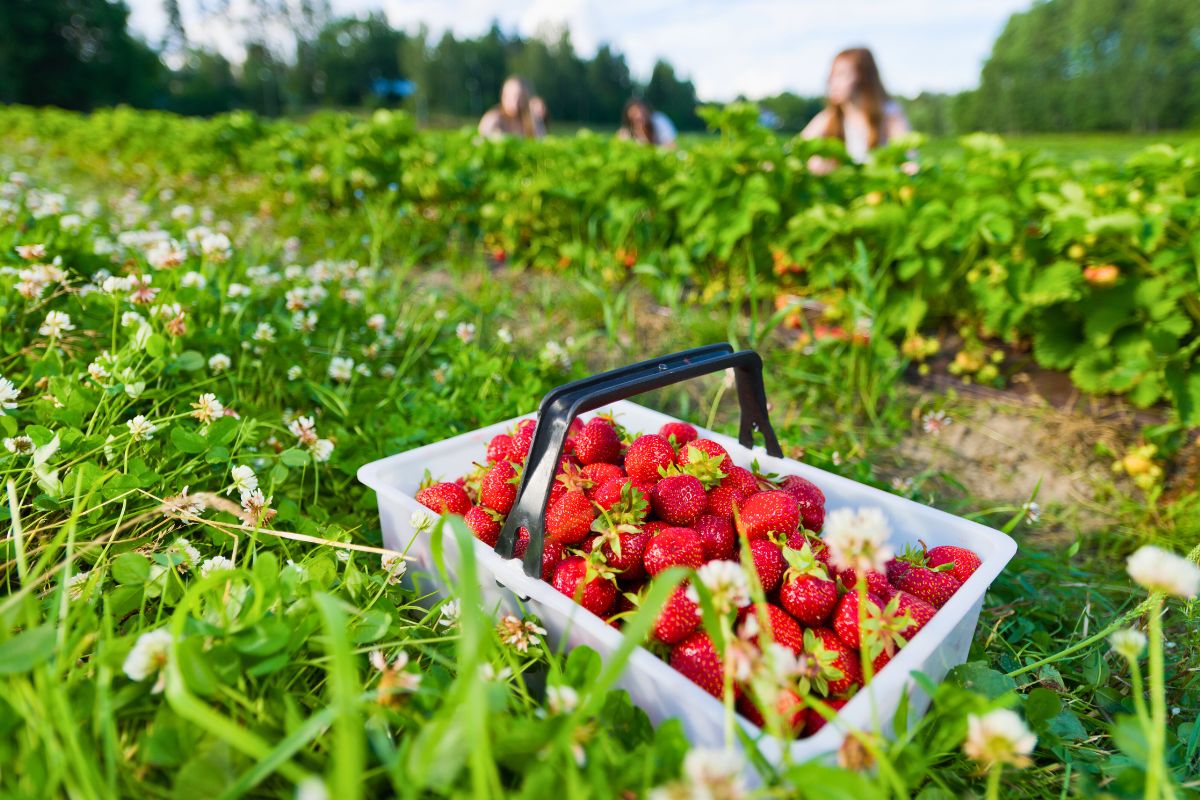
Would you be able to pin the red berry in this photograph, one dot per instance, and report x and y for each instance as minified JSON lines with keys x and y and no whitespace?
{"x":445,"y":498}
{"x":847,"y":662}
{"x":965,"y":562}
{"x":678,"y":618}
{"x":813,"y":721}
{"x":809,"y":599}
{"x":789,"y":706}
{"x":629,"y":565}
{"x":931,"y":586}
{"x":709,"y":448}
{"x":768,"y":512}
{"x":552,"y":553}
{"x":498,"y":489}
{"x":696,"y":658}
{"x":784,"y":630}
{"x":679,"y":499}
{"x":608,"y":494}
{"x":810,"y":499}
{"x":768,"y":563}
{"x":716,"y":536}
{"x":598,"y":443}
{"x":501,"y":448}
{"x":682,"y":433}
{"x":673,"y":547}
{"x":600,"y":474}
{"x":920,"y":611}
{"x":731,"y":491}
{"x":845,"y":618}
{"x":570,"y":519}
{"x":877,"y":583}
{"x":485,"y":524}
{"x":596,"y":594}
{"x":646,"y":456}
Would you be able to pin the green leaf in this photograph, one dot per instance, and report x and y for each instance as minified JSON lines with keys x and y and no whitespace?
{"x":223,"y":430}
{"x":188,"y":442}
{"x":1041,"y":706}
{"x":156,"y":345}
{"x":187,"y":361}
{"x":1185,"y":387}
{"x":1128,"y":735}
{"x":1056,"y":283}
{"x":27,"y":649}
{"x":294,"y":457}
{"x":978,"y":677}
{"x":1066,"y":725}
{"x":131,"y":568}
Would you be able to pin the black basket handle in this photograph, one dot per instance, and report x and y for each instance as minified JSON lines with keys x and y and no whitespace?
{"x":565,"y":403}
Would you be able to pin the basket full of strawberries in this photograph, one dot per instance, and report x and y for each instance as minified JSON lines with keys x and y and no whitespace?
{"x":807,"y":597}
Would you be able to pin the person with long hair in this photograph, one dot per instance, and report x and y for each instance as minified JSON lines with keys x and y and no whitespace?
{"x":519,"y":112}
{"x":641,"y":123}
{"x":857,"y":109}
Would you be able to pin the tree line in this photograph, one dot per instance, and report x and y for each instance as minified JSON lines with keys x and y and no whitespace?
{"x":1062,"y":65}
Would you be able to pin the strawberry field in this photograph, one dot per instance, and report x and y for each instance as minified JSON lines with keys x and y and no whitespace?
{"x":208,"y":326}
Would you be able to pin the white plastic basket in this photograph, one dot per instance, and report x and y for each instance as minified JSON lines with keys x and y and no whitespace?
{"x":652,"y":684}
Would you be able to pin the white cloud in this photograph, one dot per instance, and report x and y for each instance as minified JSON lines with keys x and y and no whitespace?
{"x":751,"y":47}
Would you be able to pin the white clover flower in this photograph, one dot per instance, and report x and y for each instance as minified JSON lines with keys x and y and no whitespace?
{"x":244,"y":479}
{"x":561,"y":699}
{"x":193,"y":280}
{"x":70,"y":222}
{"x":1128,"y":642}
{"x":304,"y":429}
{"x":934,"y":422}
{"x":166,"y":255}
{"x":207,"y":408}
{"x":450,"y":614}
{"x":216,"y":247}
{"x":116,"y":284}
{"x":31,"y":252}
{"x":441,"y":314}
{"x":167,"y":311}
{"x":56,"y":324}
{"x":726,"y":583}
{"x":377,"y":322}
{"x":554,"y":353}
{"x":505,"y":335}
{"x":19,"y":445}
{"x":420,"y":521}
{"x":265,"y":332}
{"x":215,"y":564}
{"x":97,"y":372}
{"x":219,"y":362}
{"x":256,"y":509}
{"x":353,"y":296}
{"x":387,"y":371}
{"x":1033,"y":512}
{"x":395,"y":566}
{"x":364,"y":370}
{"x":321,"y":450}
{"x":304,"y":322}
{"x":1158,"y":570}
{"x":311,"y":788}
{"x":396,"y":677}
{"x":77,"y":586}
{"x":8,"y":395}
{"x":182,"y":213}
{"x":130,"y":318}
{"x":858,"y":539}
{"x":237,"y":290}
{"x":518,"y":633}
{"x":341,"y":369}
{"x":488,"y":672}
{"x":296,"y":298}
{"x":149,"y":657}
{"x":465,"y":331}
{"x":998,"y":737}
{"x":707,"y":775}
{"x":141,"y":429}
{"x":294,"y":372}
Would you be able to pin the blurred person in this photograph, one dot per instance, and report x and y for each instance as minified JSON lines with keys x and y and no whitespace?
{"x":519,"y":112}
{"x":857,"y":110}
{"x":641,"y":123}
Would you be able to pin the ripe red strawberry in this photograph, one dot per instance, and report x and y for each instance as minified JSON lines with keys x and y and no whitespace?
{"x":877,"y":583}
{"x":498,"y":489}
{"x":570,"y":519}
{"x":809,"y":598}
{"x":697,"y":660}
{"x":920,"y":611}
{"x":655,"y":526}
{"x":552,"y":553}
{"x":810,"y":499}
{"x":523,"y":438}
{"x":680,"y":432}
{"x":501,"y":448}
{"x":731,"y":491}
{"x":768,"y":563}
{"x":679,"y":499}
{"x":575,"y":578}
{"x":445,"y":498}
{"x":798,"y":539}
{"x":678,"y":618}
{"x":789,"y":705}
{"x":845,"y":618}
{"x":608,"y":494}
{"x":708,"y":448}
{"x":768,"y":512}
{"x":598,"y":442}
{"x":572,"y":431}
{"x":673,"y":547}
{"x":784,"y":630}
{"x":965,"y":562}
{"x":629,"y":564}
{"x":846,"y":662}
{"x":716,"y":536}
{"x":485,"y":524}
{"x":600,"y":474}
{"x":646,"y":456}
{"x":813,"y":721}
{"x":932,"y":586}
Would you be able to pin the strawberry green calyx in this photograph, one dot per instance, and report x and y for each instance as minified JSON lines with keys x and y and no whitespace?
{"x":882,"y":628}
{"x":816,"y":666}
{"x":766,"y":480}
{"x":573,"y":477}
{"x":700,"y":465}
{"x":802,"y":562}
{"x":626,"y":515}
{"x":622,"y":432}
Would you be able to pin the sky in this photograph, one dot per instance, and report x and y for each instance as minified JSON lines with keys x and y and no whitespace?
{"x":754,"y":48}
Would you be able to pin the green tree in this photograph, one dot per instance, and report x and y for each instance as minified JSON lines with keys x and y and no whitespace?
{"x":674,"y":97}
